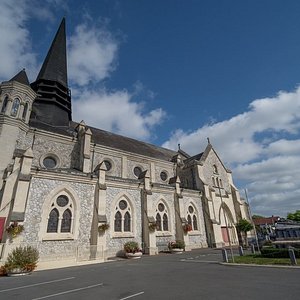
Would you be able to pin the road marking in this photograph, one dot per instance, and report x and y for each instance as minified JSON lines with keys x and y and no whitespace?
{"x":200,"y":261}
{"x":36,"y":284}
{"x":69,"y":291}
{"x":134,"y":295}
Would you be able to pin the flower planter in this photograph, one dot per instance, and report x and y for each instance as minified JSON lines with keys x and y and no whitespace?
{"x":176,"y":251}
{"x":17,"y":272}
{"x":134,"y":255}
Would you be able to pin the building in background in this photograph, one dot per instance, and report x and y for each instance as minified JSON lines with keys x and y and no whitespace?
{"x":80,"y":192}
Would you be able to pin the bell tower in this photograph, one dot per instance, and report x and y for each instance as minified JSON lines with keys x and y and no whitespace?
{"x":16,"y":100}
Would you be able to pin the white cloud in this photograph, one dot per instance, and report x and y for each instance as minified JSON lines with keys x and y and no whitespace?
{"x":92,"y":54}
{"x":255,"y":147}
{"x":16,"y":51}
{"x":115,"y":111}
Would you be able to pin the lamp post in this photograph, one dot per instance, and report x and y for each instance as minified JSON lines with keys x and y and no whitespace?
{"x":226,"y":224}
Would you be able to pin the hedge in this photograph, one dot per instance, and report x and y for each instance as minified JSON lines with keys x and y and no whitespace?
{"x":278,"y":252}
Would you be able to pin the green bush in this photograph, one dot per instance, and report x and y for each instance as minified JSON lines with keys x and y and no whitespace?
{"x":278,"y":252}
{"x":24,"y":259}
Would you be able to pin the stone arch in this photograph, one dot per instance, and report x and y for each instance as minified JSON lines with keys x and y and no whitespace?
{"x":46,"y":208}
{"x":124,"y":196}
{"x":161,"y":199}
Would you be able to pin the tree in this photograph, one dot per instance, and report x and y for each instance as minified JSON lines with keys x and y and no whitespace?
{"x":257,"y":217}
{"x":244,"y":226}
{"x":294,"y":216}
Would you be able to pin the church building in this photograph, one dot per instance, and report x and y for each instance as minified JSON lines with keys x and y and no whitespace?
{"x":79,"y":193}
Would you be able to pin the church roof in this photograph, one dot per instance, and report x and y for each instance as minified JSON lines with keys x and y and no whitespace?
{"x":55,"y":65}
{"x":111,"y":140}
{"x":21,"y":77}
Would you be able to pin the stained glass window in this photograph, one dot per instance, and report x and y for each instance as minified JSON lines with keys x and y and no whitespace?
{"x":53,"y":221}
{"x":66,"y":221}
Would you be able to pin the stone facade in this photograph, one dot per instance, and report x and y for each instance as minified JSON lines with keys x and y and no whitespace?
{"x":63,"y":183}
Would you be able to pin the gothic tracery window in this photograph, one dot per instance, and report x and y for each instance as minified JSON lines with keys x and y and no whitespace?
{"x":123,"y":217}
{"x":162,"y":219}
{"x":192,"y":217}
{"x":60,"y":218}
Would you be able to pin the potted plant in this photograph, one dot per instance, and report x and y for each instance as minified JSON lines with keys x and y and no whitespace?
{"x":187,"y":227}
{"x":103,"y":227}
{"x":176,"y":246}
{"x":132,"y":250}
{"x":152,"y":227}
{"x":22,"y":260}
{"x":14,"y":229}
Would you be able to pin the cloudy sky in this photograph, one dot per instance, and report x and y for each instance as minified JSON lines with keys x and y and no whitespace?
{"x":172,"y":71}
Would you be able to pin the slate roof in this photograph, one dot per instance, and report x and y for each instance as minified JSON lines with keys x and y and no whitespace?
{"x":55,"y":65}
{"x":112,"y":140}
{"x":21,"y":77}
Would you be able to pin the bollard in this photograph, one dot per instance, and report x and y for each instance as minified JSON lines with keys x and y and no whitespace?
{"x":241,"y":251}
{"x":292,"y":256}
{"x":225,"y":255}
{"x":252,"y":249}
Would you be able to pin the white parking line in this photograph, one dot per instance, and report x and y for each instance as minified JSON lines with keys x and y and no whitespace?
{"x":69,"y":291}
{"x":200,"y":261}
{"x":35,"y":284}
{"x":131,"y":296}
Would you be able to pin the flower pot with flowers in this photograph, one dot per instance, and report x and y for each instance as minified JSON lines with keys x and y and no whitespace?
{"x":187,"y":228}
{"x":176,"y":246}
{"x":14,"y":229}
{"x":103,"y":227}
{"x":132,"y":250}
{"x":152,"y":227}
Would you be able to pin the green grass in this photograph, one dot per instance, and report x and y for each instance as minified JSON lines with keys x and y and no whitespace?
{"x":259,"y":260}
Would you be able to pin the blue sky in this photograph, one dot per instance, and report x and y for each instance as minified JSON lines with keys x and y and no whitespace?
{"x":178,"y":72}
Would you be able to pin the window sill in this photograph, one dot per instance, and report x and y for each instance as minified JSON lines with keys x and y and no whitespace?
{"x":57,"y":237}
{"x":123,"y":235}
{"x":166,"y":233}
{"x":195,"y":232}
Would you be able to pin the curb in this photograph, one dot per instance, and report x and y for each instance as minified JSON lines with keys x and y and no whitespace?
{"x":255,"y":265}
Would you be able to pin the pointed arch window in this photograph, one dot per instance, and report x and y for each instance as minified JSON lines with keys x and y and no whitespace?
{"x":60,"y":218}
{"x":162,"y":217}
{"x":4,"y":105}
{"x":123,"y":217}
{"x":192,"y":217}
{"x":15,"y":107}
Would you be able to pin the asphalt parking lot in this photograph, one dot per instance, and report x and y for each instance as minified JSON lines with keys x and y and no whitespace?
{"x":191,"y":275}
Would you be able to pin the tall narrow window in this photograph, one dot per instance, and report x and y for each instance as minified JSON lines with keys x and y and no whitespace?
{"x":195,"y":223}
{"x":15,"y":107}
{"x":4,"y":105}
{"x":162,"y":220}
{"x":158,"y":222}
{"x":66,"y":221}
{"x":123,"y":217}
{"x":53,"y":221}
{"x":127,"y":222}
{"x":118,"y":222}
{"x":25,"y":111}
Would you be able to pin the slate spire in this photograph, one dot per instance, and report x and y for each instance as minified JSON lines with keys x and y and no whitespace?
{"x":53,"y":104}
{"x":21,"y":77}
{"x":55,"y":65}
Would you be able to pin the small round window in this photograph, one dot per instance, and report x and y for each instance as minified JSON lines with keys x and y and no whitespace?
{"x":191,"y":209}
{"x":123,"y":204}
{"x":163,"y":176}
{"x":62,"y":201}
{"x":108,"y":165}
{"x":161,"y":207}
{"x":137,"y":171}
{"x":49,"y":162}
